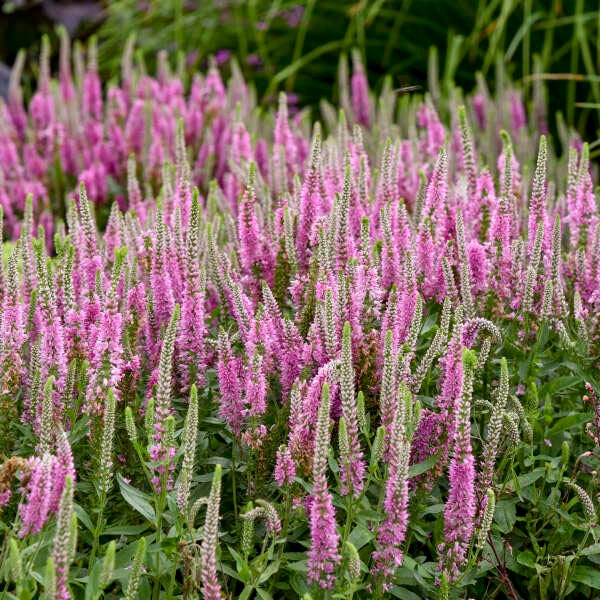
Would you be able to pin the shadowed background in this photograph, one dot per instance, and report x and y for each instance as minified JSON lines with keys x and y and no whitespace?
{"x":295,"y":45}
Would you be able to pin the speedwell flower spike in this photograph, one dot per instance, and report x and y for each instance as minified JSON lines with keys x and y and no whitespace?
{"x":388,"y":553}
{"x":160,"y":452}
{"x":211,"y":588}
{"x":352,"y":468}
{"x":460,"y":509}
{"x":190,"y":431}
{"x":537,"y":205}
{"x":585,"y":500}
{"x":323,"y":555}
{"x":106,"y":446}
{"x":62,"y":542}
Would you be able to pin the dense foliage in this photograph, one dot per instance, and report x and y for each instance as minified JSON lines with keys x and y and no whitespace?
{"x":550,"y":47}
{"x":279,"y":359}
{"x":295,"y":44}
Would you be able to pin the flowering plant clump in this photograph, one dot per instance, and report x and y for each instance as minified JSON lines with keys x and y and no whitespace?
{"x":373,"y":333}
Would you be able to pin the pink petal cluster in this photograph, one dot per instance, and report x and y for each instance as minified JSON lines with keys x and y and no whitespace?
{"x":46,"y":480}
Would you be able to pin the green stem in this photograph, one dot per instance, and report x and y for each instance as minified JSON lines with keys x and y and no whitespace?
{"x":27,"y":568}
{"x":349,"y":505}
{"x":285,"y":521}
{"x":98,"y":528}
{"x":160,"y":507}
{"x":233,"y":479}
{"x":378,"y":592}
{"x":7,"y":537}
{"x":172,"y":582}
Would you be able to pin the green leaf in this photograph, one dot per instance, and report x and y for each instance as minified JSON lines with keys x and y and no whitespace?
{"x":589,"y":576}
{"x":429,"y":323}
{"x":92,"y":582}
{"x":527,"y":479}
{"x":270,"y":570}
{"x":567,"y":423}
{"x":506,"y":515}
{"x":405,"y":575}
{"x":333,"y":465}
{"x":37,"y":576}
{"x":434,"y":509}
{"x":264,"y":594}
{"x":423,"y":466}
{"x":591,"y":550}
{"x":212,"y":421}
{"x":360,"y":536}
{"x":216,"y":460}
{"x":370,"y":514}
{"x":404,"y":594}
{"x":307,"y":486}
{"x":244,"y":574}
{"x":300,"y":566}
{"x":125,"y":530}
{"x":558,"y":384}
{"x":526,"y":559}
{"x":246,"y":592}
{"x":511,"y":350}
{"x":137,"y":499}
{"x":298,"y":584}
{"x":203,"y":478}
{"x":239,"y":560}
{"x":229,"y":571}
{"x":83,"y":516}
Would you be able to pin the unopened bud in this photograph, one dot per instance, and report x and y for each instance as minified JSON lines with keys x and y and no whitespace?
{"x":378,"y":446}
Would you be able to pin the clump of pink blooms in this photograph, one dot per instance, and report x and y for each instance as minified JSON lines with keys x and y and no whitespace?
{"x":288,"y":255}
{"x":45,"y":481}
